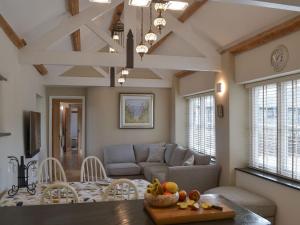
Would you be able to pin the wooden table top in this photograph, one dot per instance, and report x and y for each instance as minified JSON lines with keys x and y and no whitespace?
{"x":107,"y":213}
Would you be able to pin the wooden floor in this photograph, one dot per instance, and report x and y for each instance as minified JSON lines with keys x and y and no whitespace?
{"x":71,"y":162}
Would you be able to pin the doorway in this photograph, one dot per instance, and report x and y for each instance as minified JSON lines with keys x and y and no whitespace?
{"x":67,"y":132}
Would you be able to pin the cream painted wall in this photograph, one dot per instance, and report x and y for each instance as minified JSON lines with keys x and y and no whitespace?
{"x":197,"y":83}
{"x":17,"y":95}
{"x":285,"y":198}
{"x":256,"y":64}
{"x":103,"y":119}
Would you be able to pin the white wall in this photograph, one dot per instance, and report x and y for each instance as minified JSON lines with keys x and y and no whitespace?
{"x":285,"y":198}
{"x":256,"y":64}
{"x":102,"y":119}
{"x":17,"y":95}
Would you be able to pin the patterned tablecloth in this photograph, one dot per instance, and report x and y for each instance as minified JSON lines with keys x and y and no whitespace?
{"x":87,"y":192}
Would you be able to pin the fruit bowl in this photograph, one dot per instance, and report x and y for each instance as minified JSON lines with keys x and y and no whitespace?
{"x":161,"y":201}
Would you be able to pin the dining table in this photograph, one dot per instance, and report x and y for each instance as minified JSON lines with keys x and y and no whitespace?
{"x":126,"y":212}
{"x":87,"y":192}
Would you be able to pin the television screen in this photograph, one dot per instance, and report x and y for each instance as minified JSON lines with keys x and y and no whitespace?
{"x":32,"y":134}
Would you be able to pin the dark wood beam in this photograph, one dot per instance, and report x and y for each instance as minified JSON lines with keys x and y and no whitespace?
{"x":183,"y":73}
{"x":116,"y":15}
{"x":75,"y":36}
{"x":266,"y":36}
{"x":18,"y":42}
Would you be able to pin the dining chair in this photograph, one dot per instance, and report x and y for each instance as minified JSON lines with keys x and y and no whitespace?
{"x":92,"y":170}
{"x":121,"y":189}
{"x":59,"y":193}
{"x":51,"y":170}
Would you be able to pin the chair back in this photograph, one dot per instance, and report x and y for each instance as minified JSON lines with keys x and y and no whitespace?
{"x":59,"y":193}
{"x":51,"y":170}
{"x":92,"y":170}
{"x":121,"y":189}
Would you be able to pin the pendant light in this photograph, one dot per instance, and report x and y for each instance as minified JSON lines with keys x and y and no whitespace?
{"x":150,"y":37}
{"x":142,"y":49}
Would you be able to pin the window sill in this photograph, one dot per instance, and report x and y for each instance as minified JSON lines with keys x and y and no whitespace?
{"x":271,"y":177}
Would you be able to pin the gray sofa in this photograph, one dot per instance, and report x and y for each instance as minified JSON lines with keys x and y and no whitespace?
{"x":133,"y":160}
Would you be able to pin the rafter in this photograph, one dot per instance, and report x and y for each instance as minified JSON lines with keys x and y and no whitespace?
{"x":117,"y":60}
{"x":266,"y":36}
{"x":75,"y":36}
{"x":18,"y":42}
{"x":188,"y":12}
{"x":273,"y":4}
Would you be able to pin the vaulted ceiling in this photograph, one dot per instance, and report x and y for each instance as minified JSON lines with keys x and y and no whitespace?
{"x":216,"y":23}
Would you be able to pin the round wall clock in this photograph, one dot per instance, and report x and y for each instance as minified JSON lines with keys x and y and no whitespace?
{"x":279,"y":58}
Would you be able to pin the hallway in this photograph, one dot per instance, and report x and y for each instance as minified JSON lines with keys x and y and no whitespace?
{"x":71,"y":162}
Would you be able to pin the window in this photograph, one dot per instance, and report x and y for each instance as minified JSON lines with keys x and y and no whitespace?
{"x":201,"y":124}
{"x":275,"y":128}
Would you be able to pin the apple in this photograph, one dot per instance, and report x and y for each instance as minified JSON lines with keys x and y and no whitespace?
{"x":163,"y":185}
{"x":167,"y":193}
{"x":194,"y":195}
{"x":182,"y":195}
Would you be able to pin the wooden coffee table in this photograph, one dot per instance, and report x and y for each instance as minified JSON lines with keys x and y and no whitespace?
{"x":108,"y":213}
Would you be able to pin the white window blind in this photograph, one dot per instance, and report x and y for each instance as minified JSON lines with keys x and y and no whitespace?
{"x":275,"y":128}
{"x":201,"y":124}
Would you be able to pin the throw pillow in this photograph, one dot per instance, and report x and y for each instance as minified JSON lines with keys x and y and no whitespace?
{"x":156,"y":153}
{"x":177,"y":156}
{"x":189,"y":161}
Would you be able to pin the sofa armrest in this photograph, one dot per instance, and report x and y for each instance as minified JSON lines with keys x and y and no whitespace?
{"x":201,"y":177}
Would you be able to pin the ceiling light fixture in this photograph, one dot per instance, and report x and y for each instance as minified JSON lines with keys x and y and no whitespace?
{"x":101,"y":1}
{"x":125,"y":72}
{"x":140,"y":3}
{"x":160,"y":22}
{"x":142,"y":49}
{"x":150,"y":37}
{"x":121,"y":80}
{"x":177,"y":5}
{"x":160,"y":6}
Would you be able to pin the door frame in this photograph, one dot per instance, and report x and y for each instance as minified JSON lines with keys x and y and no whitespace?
{"x":51,"y":98}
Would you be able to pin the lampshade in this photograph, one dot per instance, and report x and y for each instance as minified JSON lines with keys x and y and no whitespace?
{"x":160,"y":6}
{"x":141,"y":49}
{"x":116,"y":37}
{"x":121,"y":80}
{"x":150,"y":37}
{"x":160,"y":23}
{"x":125,"y":72}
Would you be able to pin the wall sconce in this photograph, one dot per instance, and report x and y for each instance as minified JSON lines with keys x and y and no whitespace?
{"x":219,"y":87}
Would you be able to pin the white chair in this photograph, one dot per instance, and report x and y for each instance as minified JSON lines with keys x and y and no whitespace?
{"x":59,"y":193}
{"x":92,"y":170}
{"x":51,"y":170}
{"x":121,"y":189}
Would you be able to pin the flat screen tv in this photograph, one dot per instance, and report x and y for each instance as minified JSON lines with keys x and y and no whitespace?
{"x":32,"y":133}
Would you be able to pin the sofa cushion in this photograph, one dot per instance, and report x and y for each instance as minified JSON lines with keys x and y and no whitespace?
{"x":119,"y":154}
{"x":177,"y":156}
{"x":147,"y":164}
{"x":156,"y":153}
{"x":201,"y":159}
{"x":256,"y":203}
{"x":155,"y":172}
{"x":141,"y":152}
{"x":123,"y":169}
{"x":168,"y":152}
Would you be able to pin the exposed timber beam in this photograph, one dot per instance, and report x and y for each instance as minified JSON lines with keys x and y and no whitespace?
{"x":18,"y":42}
{"x":183,"y":73}
{"x":71,"y":24}
{"x":290,"y":5}
{"x":116,"y":15}
{"x":266,"y":36}
{"x":117,"y":60}
{"x":188,"y":12}
{"x":75,"y":36}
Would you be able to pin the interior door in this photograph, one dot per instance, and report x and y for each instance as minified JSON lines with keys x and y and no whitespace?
{"x":56,"y":128}
{"x":68,"y":130}
{"x":79,"y":134}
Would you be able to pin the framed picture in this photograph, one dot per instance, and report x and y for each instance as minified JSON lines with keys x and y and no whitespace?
{"x":137,"y":111}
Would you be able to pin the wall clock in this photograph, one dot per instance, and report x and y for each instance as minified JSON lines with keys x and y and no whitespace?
{"x":279,"y":58}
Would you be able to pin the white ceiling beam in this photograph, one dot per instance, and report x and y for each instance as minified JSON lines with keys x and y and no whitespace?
{"x":290,"y":5}
{"x":71,"y":24}
{"x":103,"y":82}
{"x":118,"y":60}
{"x":185,"y":31}
{"x":101,"y":71}
{"x":105,"y":37}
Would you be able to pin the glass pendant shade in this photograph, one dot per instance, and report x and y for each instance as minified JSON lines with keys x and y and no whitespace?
{"x":111,"y":50}
{"x":141,"y":49}
{"x":160,"y":23}
{"x":150,"y":37}
{"x":125,"y":72}
{"x":121,"y":80}
{"x":116,"y":37}
{"x":160,"y":6}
